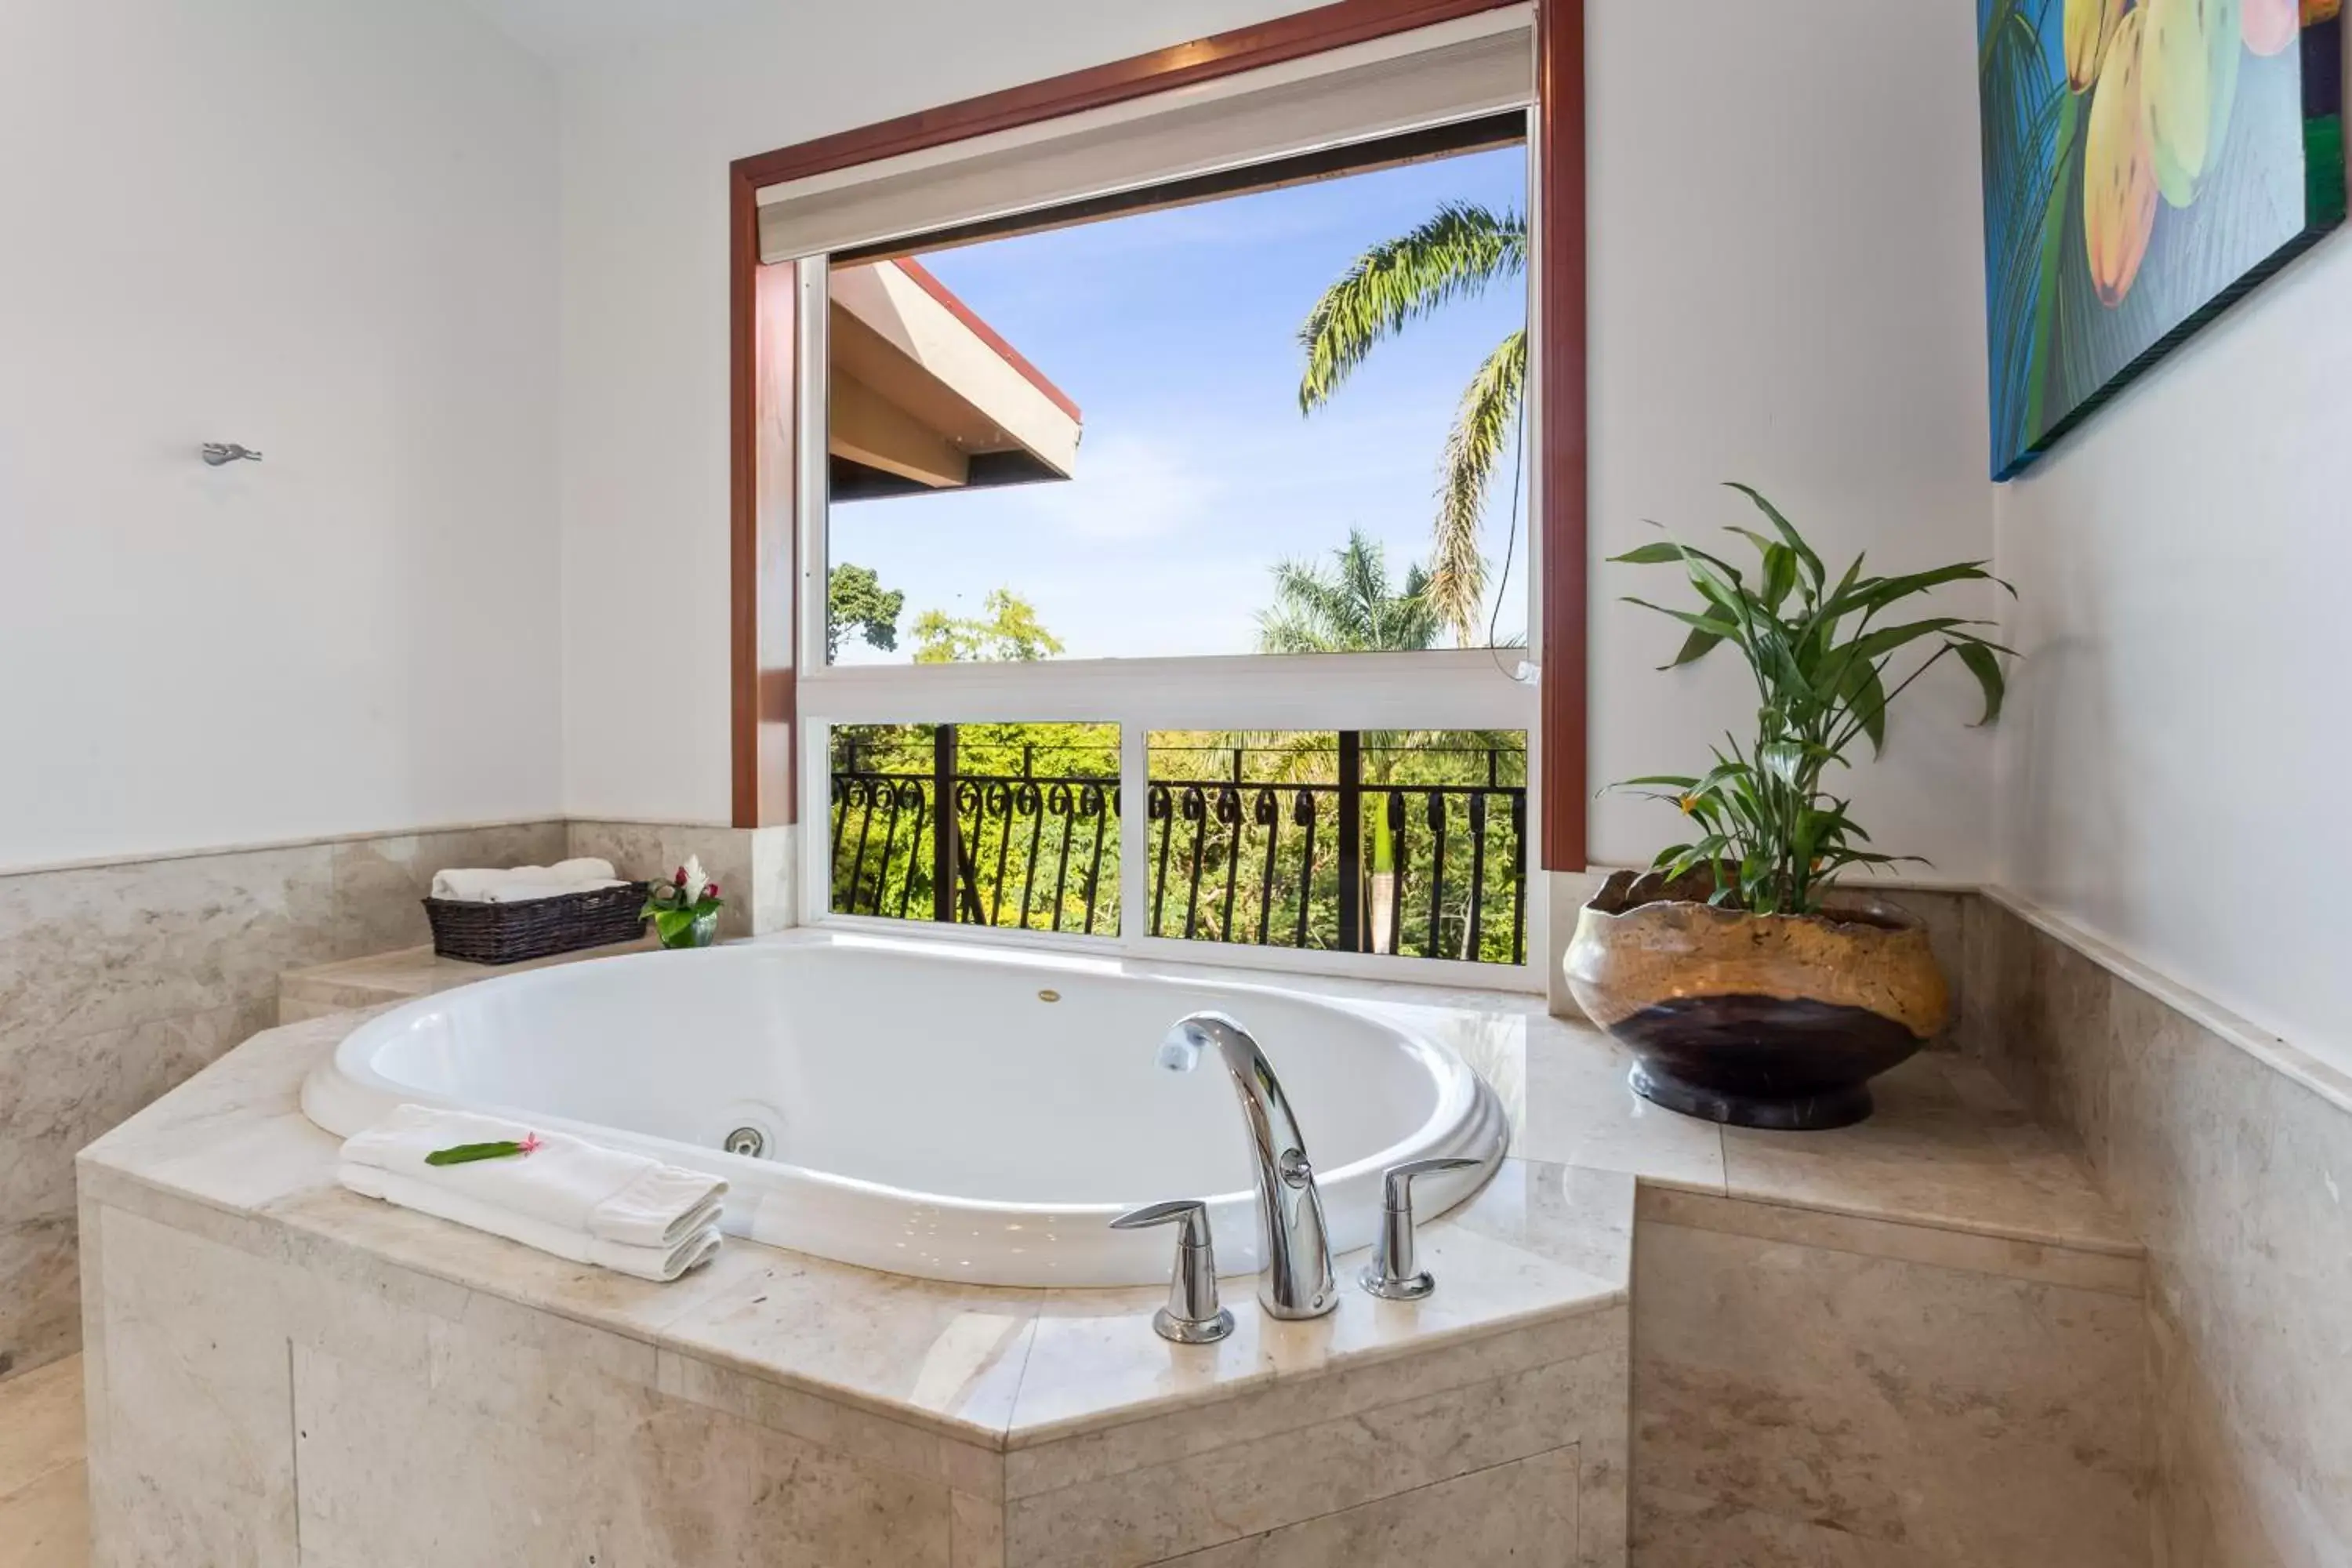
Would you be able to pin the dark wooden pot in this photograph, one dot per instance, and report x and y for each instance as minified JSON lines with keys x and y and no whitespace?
{"x":1754,"y":1020}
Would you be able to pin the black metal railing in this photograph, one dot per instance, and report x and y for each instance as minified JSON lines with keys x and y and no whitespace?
{"x":1355,"y":862}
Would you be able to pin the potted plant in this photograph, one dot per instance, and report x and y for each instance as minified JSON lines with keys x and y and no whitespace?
{"x":685,"y":910}
{"x":1752,"y":987}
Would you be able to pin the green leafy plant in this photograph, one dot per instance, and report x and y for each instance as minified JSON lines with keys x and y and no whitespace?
{"x":676,"y":905}
{"x":1823,"y":654}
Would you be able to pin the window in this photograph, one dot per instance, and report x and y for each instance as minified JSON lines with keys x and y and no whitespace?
{"x":1138,"y":607}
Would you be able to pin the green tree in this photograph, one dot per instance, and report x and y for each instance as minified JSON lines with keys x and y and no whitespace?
{"x":1348,"y":605}
{"x":1007,"y":630}
{"x":856,"y":602}
{"x":1456,"y":254}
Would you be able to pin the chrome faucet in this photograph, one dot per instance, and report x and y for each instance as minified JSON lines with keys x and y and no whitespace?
{"x":1293,"y":1243}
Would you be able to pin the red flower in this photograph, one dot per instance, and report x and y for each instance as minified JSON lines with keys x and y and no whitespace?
{"x":710,"y":890}
{"x":681,"y":876}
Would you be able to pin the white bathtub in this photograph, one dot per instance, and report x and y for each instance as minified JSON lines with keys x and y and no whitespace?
{"x":948,"y":1112}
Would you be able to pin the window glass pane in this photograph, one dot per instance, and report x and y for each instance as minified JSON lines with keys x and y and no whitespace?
{"x":1379,"y":841}
{"x":1029,"y":841}
{"x":1110,"y":437}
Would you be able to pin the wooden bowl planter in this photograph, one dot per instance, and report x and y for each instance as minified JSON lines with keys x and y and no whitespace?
{"x":1773,"y":1021}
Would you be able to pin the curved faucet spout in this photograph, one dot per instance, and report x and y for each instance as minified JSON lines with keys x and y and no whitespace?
{"x":1297,"y":1279}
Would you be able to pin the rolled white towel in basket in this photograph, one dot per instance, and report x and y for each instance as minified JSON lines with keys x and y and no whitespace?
{"x":492,"y":884}
{"x":567,"y":1186}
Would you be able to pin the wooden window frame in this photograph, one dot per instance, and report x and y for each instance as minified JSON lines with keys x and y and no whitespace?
{"x":763,"y":550}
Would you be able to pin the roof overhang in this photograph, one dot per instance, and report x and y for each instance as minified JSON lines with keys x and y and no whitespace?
{"x":926,"y":395}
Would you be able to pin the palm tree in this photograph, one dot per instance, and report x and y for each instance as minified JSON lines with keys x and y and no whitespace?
{"x":1454,"y":255}
{"x":1346,"y":606}
{"x":1350,"y":605}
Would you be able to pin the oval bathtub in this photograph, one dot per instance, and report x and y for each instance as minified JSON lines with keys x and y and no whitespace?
{"x":928,"y":1108}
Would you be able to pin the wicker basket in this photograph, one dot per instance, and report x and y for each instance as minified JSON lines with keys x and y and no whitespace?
{"x":536,"y":928}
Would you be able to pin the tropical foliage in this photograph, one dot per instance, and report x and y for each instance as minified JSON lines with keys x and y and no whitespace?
{"x":1825,"y":660}
{"x":1348,"y":605}
{"x":858,"y":606}
{"x":2143,"y":161}
{"x":1008,"y":629}
{"x":1460,"y":251}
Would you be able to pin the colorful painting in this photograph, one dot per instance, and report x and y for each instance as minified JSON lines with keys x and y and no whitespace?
{"x":2145,"y":162}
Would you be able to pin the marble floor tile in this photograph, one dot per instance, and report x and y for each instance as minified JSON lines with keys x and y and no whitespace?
{"x":45,"y":1524}
{"x":40,"y":1422}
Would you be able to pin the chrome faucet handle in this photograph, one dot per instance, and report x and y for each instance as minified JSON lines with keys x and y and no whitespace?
{"x":1192,"y":1316}
{"x":1393,"y":1274}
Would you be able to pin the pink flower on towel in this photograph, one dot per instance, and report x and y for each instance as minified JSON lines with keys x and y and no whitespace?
{"x":529,"y":1144}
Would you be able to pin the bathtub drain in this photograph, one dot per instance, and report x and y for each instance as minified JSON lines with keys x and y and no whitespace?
{"x":747,"y":1141}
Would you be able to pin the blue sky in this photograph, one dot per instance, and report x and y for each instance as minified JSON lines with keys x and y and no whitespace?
{"x":1175,"y":333}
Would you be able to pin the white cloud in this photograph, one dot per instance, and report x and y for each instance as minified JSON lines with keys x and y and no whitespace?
{"x":1129,"y":487}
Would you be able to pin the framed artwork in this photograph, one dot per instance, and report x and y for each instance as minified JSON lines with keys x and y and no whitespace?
{"x":2145,"y":163}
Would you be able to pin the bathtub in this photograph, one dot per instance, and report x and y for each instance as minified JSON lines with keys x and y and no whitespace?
{"x":930,"y":1109}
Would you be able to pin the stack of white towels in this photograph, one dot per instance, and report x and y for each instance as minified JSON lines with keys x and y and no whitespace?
{"x":567,"y":1196}
{"x":491,"y":884}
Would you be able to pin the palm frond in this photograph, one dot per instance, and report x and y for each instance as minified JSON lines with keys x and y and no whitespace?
{"x":1458,"y":252}
{"x":1346,"y":606}
{"x":1482,"y":428}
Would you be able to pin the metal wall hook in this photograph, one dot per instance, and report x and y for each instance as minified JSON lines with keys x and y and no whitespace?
{"x":217,"y":452}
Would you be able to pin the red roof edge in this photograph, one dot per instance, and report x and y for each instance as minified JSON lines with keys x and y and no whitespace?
{"x":987,"y":335}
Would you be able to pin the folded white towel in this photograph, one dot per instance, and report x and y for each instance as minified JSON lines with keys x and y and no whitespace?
{"x":659,"y":1263}
{"x":491,"y":885}
{"x":628,"y":1200}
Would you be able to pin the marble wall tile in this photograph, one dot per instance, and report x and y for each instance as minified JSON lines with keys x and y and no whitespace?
{"x":1254,"y":1487}
{"x":39,"y":1318}
{"x":753,"y":867}
{"x":118,"y":982}
{"x":1521,"y":1513}
{"x":1944,"y":911}
{"x":381,"y":883}
{"x":60,"y":1092}
{"x":2239,"y":1177}
{"x":1883,"y":1400}
{"x":101,"y":948}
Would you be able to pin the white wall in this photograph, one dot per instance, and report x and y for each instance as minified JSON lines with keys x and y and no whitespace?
{"x":2175,"y":770}
{"x":326,"y":230}
{"x":1786,"y":288}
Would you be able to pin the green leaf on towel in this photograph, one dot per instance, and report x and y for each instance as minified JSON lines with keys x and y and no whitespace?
{"x":466,"y":1153}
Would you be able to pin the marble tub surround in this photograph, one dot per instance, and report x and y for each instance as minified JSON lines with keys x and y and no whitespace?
{"x":119,"y":980}
{"x":778,"y":1407}
{"x":2231,"y":1154}
{"x":753,"y":866}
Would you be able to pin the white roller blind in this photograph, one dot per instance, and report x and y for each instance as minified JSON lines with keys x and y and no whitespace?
{"x":1428,"y":76}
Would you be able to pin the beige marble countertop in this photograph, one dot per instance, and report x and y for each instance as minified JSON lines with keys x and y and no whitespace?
{"x":406,"y":974}
{"x":1949,"y":1160}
